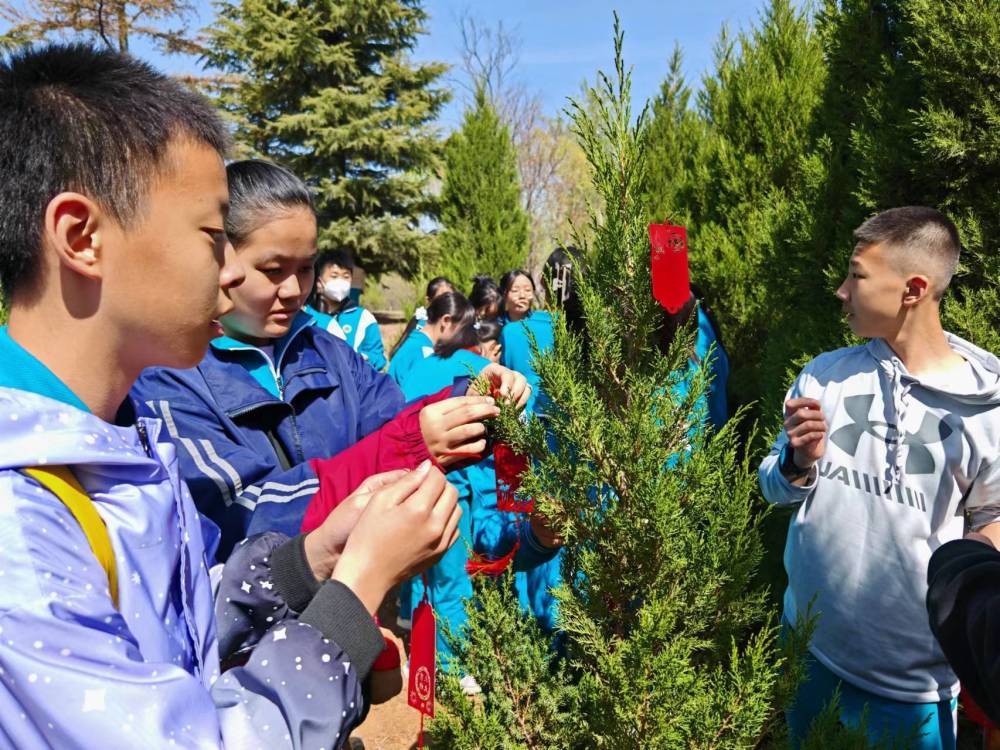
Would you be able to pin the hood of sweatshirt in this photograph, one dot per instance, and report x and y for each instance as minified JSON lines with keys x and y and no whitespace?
{"x":981,"y":389}
{"x":42,"y":422}
{"x":131,"y":478}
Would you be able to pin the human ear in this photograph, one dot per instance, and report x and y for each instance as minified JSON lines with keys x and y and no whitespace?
{"x":916,"y":289}
{"x":75,"y":228}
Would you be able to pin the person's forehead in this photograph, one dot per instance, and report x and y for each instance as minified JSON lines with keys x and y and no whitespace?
{"x":195,"y":169}
{"x":866,"y":254}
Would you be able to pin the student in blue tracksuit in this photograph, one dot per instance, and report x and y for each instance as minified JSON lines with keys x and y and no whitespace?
{"x":339,"y":313}
{"x":707,"y":352}
{"x":279,"y":415}
{"x":412,"y":345}
{"x":438,"y":324}
{"x":522,"y":324}
{"x":454,"y":356}
{"x":495,"y":532}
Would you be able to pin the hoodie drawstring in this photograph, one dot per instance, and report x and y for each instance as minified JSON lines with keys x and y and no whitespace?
{"x":900,"y":400}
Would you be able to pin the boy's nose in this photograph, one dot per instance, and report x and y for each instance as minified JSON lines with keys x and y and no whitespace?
{"x":232,"y":272}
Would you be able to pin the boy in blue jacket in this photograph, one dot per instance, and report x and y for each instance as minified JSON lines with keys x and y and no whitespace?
{"x":339,"y":313}
{"x":112,"y":202}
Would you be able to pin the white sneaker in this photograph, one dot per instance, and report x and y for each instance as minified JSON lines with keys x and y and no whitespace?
{"x":470,"y":686}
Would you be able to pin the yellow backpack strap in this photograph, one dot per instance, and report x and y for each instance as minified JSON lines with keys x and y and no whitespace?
{"x":59,"y":480}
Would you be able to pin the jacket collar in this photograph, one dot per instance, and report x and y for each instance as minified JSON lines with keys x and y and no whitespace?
{"x":23,"y":371}
{"x":233,"y":372}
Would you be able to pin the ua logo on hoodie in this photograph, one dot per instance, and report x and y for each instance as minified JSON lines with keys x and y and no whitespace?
{"x":919,"y":459}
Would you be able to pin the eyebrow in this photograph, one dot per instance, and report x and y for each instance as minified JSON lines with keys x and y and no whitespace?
{"x":279,"y":256}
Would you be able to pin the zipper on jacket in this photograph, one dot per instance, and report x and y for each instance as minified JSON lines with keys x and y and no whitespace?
{"x":281,"y":385}
{"x":143,"y":437}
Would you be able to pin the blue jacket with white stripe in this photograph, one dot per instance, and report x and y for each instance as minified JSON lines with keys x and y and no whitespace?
{"x":246,"y":426}
{"x":358,"y":327}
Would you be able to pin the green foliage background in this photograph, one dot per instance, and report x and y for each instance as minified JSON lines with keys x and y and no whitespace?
{"x":328,"y":89}
{"x":485,"y":229}
{"x":809,"y":124}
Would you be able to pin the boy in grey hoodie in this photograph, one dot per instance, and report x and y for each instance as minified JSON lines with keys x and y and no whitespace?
{"x":891,"y":449}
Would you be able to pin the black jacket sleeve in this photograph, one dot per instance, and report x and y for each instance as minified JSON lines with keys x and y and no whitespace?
{"x":963,"y":601}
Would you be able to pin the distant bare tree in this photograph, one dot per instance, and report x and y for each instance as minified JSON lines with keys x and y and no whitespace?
{"x":114,"y":23}
{"x":490,"y":57}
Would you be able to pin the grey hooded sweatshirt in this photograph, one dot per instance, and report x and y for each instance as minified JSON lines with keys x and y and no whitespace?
{"x":910,"y":462}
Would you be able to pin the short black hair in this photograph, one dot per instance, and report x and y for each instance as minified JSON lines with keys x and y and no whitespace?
{"x":487,"y":330}
{"x":484,"y":292}
{"x":259,"y":191}
{"x":438,"y":285}
{"x":341,"y":258}
{"x":920,"y":239}
{"x":74,"y":117}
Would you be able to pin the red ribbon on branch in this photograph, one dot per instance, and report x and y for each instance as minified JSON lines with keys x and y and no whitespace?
{"x":669,"y":266}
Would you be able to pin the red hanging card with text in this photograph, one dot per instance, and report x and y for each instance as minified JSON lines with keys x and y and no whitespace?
{"x":510,"y":469}
{"x":669,"y":265}
{"x":422,"y":664}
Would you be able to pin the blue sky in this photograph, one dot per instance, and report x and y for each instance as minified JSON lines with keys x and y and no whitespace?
{"x":564,"y":42}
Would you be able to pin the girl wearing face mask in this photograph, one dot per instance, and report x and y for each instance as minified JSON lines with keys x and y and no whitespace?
{"x":281,"y":420}
{"x":337,"y":311}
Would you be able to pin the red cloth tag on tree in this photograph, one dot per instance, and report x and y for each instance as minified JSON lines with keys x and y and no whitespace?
{"x":669,"y":266}
{"x":422,"y":664}
{"x":510,"y":468}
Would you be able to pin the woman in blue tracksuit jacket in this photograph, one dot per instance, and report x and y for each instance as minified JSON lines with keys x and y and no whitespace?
{"x":447,"y":582}
{"x":413,"y":344}
{"x":456,"y":356}
{"x":277,"y":396}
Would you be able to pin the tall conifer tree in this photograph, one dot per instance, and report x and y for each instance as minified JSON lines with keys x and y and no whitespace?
{"x":328,"y":89}
{"x":485,"y":227}
{"x":665,"y":637}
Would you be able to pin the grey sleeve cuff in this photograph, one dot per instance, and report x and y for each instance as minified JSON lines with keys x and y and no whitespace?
{"x":292,"y":575}
{"x":340,"y":616}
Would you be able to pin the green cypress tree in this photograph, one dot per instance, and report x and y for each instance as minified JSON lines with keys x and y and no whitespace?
{"x":679,"y":140}
{"x":485,"y":229}
{"x":731,"y":171}
{"x":328,"y":89}
{"x":666,"y":637}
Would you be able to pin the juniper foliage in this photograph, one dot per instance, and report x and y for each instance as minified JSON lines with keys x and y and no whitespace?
{"x":665,"y":636}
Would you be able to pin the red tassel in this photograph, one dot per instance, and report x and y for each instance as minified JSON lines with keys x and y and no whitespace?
{"x":480,"y":564}
{"x":510,"y":469}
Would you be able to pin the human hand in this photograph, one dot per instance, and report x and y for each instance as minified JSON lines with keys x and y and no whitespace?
{"x":806,"y":429}
{"x":509,"y":384}
{"x":387,"y":682}
{"x":453,"y":429}
{"x":324,"y":544}
{"x":406,"y":527}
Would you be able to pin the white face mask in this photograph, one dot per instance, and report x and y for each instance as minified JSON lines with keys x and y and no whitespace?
{"x":337,"y":290}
